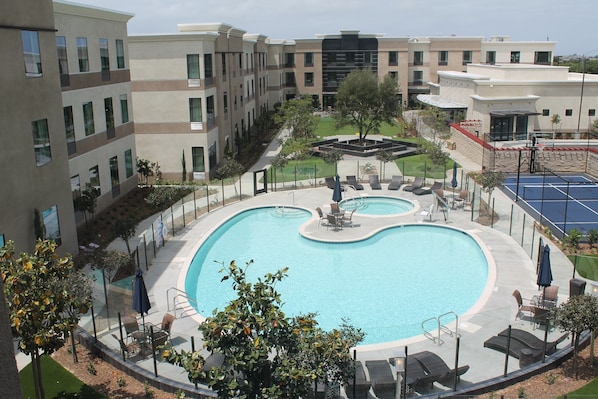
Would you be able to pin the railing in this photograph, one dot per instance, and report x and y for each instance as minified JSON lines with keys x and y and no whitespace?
{"x":180,"y":301}
{"x":439,"y":327}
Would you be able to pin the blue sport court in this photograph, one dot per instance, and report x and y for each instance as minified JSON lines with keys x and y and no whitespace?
{"x":561,"y":202}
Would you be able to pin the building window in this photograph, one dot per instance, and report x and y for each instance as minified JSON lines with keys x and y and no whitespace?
{"x":120,"y":54}
{"x":393,"y":58}
{"x":104,"y":57}
{"x":331,"y":58}
{"x":197,"y":159}
{"x":394,"y":75}
{"x":128,"y":163}
{"x":192,"y":66}
{"x":208,"y":67}
{"x":591,"y":112}
{"x":41,"y":142}
{"x":225,"y":99}
{"x":309,"y":79}
{"x":443,"y":58}
{"x":31,"y":53}
{"x":109,"y":112}
{"x":545,"y":112}
{"x":114,"y":179}
{"x":515,"y":57}
{"x":51,"y":224}
{"x":63,"y":65}
{"x":69,"y":124}
{"x":75,"y":186}
{"x":467,"y":57}
{"x":94,"y":178}
{"x":195,"y":110}
{"x":88,"y":118}
{"x":418,"y":78}
{"x":490,"y":57}
{"x":223,"y":56}
{"x":290,"y":79}
{"x":367,"y":57}
{"x":309,"y":59}
{"x":124,"y":108}
{"x":82,"y":54}
{"x":569,"y":112}
{"x":418,"y":58}
{"x":210,"y":108}
{"x":240,"y":61}
{"x":543,"y":57}
{"x":289,"y":60}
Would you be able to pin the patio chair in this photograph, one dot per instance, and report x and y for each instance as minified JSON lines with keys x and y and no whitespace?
{"x":550,"y":296}
{"x":130,"y":350}
{"x":427,"y":190}
{"x":133,"y":332}
{"x":166,"y":324}
{"x":434,"y":364}
{"x":348,"y":220}
{"x":321,"y":216}
{"x":499,"y":343}
{"x":335,"y":221}
{"x":417,"y":183}
{"x":361,"y":384}
{"x":335,"y":209}
{"x":395,"y":183}
{"x":463,"y":199}
{"x":383,"y":382}
{"x":352,"y":181}
{"x":375,"y":182}
{"x":520,"y":306}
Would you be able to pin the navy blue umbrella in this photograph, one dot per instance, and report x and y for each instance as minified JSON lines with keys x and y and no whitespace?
{"x":141,"y":302}
{"x":454,"y":182}
{"x":545,"y":270}
{"x":336,"y":193}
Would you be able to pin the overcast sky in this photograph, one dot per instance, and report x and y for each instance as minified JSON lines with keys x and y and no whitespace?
{"x":569,"y":23}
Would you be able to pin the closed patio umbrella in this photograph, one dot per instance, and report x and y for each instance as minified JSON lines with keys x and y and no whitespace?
{"x":454,"y":182}
{"x":545,"y":270}
{"x":336,"y":193}
{"x":141,"y":302}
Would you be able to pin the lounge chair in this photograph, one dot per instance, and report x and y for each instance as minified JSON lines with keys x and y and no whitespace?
{"x":352,"y":181}
{"x":329,"y":182}
{"x":520,"y":306}
{"x":532,"y":341}
{"x":395,"y":183}
{"x":499,"y":343}
{"x":434,"y":365}
{"x":417,"y":376}
{"x":427,"y":190}
{"x":417,"y":183}
{"x":383,"y":382}
{"x":375,"y":183}
{"x":360,"y":383}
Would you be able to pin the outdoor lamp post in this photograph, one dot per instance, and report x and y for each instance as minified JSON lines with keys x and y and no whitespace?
{"x":400,"y":361}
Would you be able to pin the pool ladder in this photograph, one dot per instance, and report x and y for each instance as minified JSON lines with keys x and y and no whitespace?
{"x":180,"y":301}
{"x":441,"y":328}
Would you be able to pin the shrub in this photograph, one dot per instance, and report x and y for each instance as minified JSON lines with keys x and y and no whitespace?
{"x":160,"y":197}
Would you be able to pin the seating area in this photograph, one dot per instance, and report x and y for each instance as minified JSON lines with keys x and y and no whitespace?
{"x":352,"y":181}
{"x":395,"y":183}
{"x":522,"y":343}
{"x":375,"y":182}
{"x":427,"y":190}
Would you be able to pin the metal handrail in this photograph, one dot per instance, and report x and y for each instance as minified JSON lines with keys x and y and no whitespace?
{"x":429,"y":334}
{"x":448,"y":330}
{"x":179,"y":294}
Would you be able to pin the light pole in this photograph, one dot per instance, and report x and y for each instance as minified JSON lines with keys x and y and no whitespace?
{"x":400,"y":362}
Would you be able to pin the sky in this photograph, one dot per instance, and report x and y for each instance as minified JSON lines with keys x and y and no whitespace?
{"x":568,"y":23}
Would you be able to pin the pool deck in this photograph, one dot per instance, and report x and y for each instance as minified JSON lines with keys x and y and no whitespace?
{"x":511,"y":267}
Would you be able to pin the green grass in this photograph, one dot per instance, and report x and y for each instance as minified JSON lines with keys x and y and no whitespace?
{"x":589,"y":390}
{"x":306,"y":170}
{"x":326,"y":128}
{"x":586,"y":266}
{"x":420,"y":165}
{"x":58,"y":382}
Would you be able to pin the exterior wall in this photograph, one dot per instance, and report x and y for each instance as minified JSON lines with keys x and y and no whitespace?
{"x":95,"y":85}
{"x":27,"y":99}
{"x":503,"y":48}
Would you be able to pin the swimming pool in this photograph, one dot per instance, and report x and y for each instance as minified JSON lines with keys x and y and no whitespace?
{"x":376,"y":205}
{"x":386,"y":285}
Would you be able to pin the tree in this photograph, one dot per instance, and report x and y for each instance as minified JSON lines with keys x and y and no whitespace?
{"x":38,"y":225}
{"x":148,"y":169}
{"x":110,"y":262}
{"x":295,"y":149}
{"x":555,"y":120}
{"x":184,"y":166}
{"x":365,"y":103}
{"x":87,"y":201}
{"x":578,"y":314}
{"x":38,"y":301}
{"x":434,"y":151}
{"x":436,"y":120}
{"x":490,"y":180}
{"x":384,"y":156}
{"x":332,"y":157}
{"x":277,"y":356}
{"x":125,"y":229}
{"x":297,"y":116}
{"x":231,"y":169}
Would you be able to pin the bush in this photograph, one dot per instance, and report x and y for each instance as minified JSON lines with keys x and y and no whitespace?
{"x":161,"y":197}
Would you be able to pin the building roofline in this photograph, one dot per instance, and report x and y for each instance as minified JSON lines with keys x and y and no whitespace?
{"x":84,"y":10}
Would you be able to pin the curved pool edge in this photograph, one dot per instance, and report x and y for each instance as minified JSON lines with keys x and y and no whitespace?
{"x":413,"y":210}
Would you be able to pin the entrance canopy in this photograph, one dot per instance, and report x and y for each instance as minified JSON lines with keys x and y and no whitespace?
{"x":513,"y":112}
{"x":439,"y":102}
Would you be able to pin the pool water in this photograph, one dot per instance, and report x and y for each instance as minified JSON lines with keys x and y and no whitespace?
{"x":386,"y":285}
{"x":377,"y":205}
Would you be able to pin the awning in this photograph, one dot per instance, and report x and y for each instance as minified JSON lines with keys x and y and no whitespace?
{"x":513,"y":112}
{"x":439,"y":102}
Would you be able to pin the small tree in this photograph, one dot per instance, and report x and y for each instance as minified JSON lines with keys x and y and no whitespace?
{"x":592,"y":237}
{"x":489,"y":181}
{"x":184,"y":168}
{"x":297,"y":116}
{"x":148,"y":169}
{"x":87,"y":201}
{"x":231,"y":169}
{"x":295,"y":149}
{"x":125,"y":229}
{"x":332,"y":157}
{"x":38,"y":225}
{"x":384,"y":156}
{"x":279,"y":161}
{"x":572,"y":238}
{"x":555,"y":120}
{"x":436,"y":120}
{"x":110,"y":262}
{"x":434,"y":151}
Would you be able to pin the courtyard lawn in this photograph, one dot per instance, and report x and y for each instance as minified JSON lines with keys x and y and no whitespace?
{"x":586,"y":265}
{"x":326,"y":128}
{"x":58,"y":382}
{"x":421,"y":166}
{"x":587,"y":391}
{"x":307,"y":169}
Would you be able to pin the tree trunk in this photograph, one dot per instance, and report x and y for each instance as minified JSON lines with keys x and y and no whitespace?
{"x":73,"y":347}
{"x":37,"y":375}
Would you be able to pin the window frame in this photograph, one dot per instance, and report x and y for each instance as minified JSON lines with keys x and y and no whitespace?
{"x":114,"y":175}
{"x":467,"y":57}
{"x":193,"y":69}
{"x":88,"y":120}
{"x":393,"y":58}
{"x":443,"y":57}
{"x":32,"y":56}
{"x":129,"y":169}
{"x":124,"y":109}
{"x":197,"y":155}
{"x":104,"y":54}
{"x":41,"y":142}
{"x":515,"y":57}
{"x":308,"y":79}
{"x":120,"y":54}
{"x":83,"y":54}
{"x":418,"y":58}
{"x":308,"y":59}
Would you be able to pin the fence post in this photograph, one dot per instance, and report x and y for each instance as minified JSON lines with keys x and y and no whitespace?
{"x":208,"y":197}
{"x":194,"y":204}
{"x":145,"y":249}
{"x":183,"y":209}
{"x":492,"y":214}
{"x":172,"y":220}
{"x":511,"y":221}
{"x":523,"y":230}
{"x":222,"y":185}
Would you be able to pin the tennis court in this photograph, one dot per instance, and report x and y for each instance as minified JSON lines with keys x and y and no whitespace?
{"x":563,"y":202}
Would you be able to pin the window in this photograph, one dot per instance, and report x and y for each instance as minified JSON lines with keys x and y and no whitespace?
{"x":124,"y":108}
{"x":309,"y":79}
{"x":41,"y":142}
{"x":331,"y":58}
{"x":515,"y":56}
{"x":545,"y":112}
{"x":69,"y":125}
{"x":197,"y":159}
{"x":223,"y":64}
{"x":114,"y":179}
{"x":393,"y":58}
{"x":367,"y":57}
{"x":418,"y":58}
{"x":225,"y":98}
{"x":543,"y":57}
{"x":568,"y":112}
{"x":418,"y":78}
{"x":442,"y":57}
{"x":208,"y":71}
{"x":289,"y":78}
{"x":309,"y":59}
{"x":109,"y":112}
{"x":350,"y":57}
{"x":467,"y":57}
{"x":51,"y":225}
{"x":394,"y":75}
{"x":82,"y":54}
{"x":75,"y":186}
{"x":195,"y":110}
{"x":120,"y":54}
{"x":591,"y":112}
{"x":63,"y":66}
{"x":491,"y":57}
{"x":128,"y":163}
{"x":94,"y":178}
{"x":192,"y":66}
{"x":88,"y":118}
{"x":240,"y":61}
{"x":104,"y":57}
{"x":210,"y":107}
{"x":289,"y":59}
{"x":31,"y":53}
